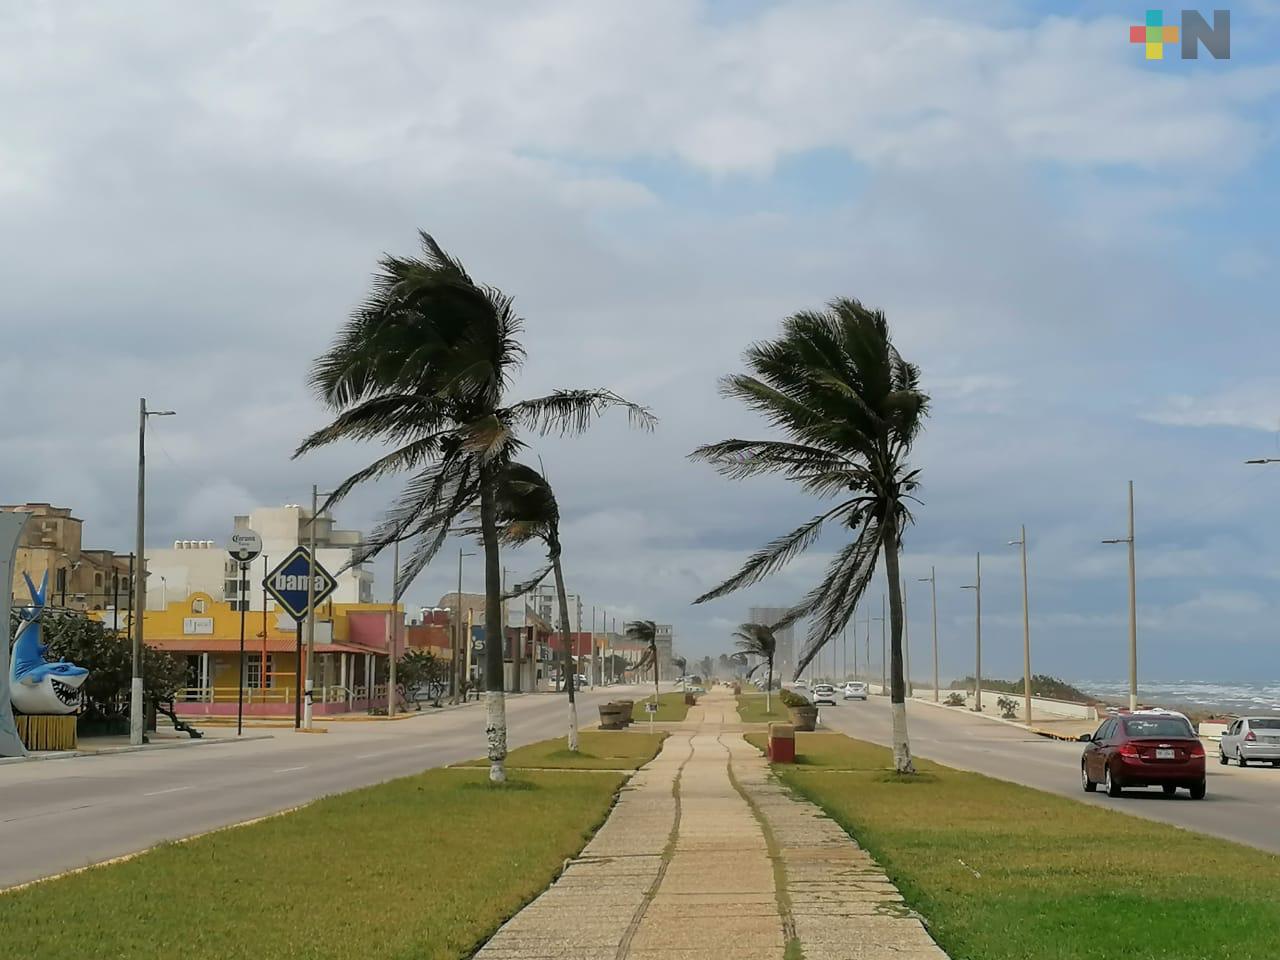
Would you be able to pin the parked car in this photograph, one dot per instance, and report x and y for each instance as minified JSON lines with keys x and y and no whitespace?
{"x":802,"y":684}
{"x":1251,"y":738}
{"x":855,"y":690}
{"x":1146,"y":748}
{"x":824,"y":693}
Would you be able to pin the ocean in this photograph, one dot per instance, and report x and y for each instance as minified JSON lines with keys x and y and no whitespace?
{"x":1211,"y":695}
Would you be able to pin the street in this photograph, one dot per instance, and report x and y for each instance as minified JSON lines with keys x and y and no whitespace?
{"x":57,"y":815}
{"x":1241,"y":805}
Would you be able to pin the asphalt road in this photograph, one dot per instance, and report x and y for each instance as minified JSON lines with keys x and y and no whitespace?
{"x":1241,"y":805}
{"x":57,"y":815}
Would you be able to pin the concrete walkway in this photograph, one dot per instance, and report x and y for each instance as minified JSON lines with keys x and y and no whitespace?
{"x":706,"y":856}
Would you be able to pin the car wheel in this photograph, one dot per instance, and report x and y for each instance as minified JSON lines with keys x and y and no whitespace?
{"x":1222,"y":757}
{"x":1110,"y":785}
{"x":1168,"y":789}
{"x":1197,"y":790}
{"x":1089,"y":785}
{"x":1240,"y":759}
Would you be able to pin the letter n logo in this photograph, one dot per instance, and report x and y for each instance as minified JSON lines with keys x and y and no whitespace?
{"x":1216,"y":39}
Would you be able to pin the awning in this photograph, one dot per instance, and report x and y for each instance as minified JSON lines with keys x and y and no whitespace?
{"x":251,"y":645}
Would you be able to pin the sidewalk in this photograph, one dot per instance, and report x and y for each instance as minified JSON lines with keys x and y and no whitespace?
{"x":706,"y":856}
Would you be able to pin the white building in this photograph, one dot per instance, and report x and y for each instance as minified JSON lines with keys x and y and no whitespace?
{"x":547,"y":606}
{"x":204,"y":566}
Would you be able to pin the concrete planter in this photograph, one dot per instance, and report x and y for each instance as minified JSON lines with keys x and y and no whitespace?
{"x":611,"y":716}
{"x":804,"y":718}
{"x":690,"y":700}
{"x":628,"y":708}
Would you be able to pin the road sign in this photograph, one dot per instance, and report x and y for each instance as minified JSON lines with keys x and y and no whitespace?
{"x":650,"y":708}
{"x":287,"y":583}
{"x":477,"y":644}
{"x":244,"y":546}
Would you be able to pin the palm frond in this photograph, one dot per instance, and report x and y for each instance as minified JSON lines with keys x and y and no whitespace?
{"x":573,"y":411}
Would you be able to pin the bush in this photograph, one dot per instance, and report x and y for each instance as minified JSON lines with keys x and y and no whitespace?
{"x":954,"y":700}
{"x":1008,"y":708}
{"x":792,"y":699}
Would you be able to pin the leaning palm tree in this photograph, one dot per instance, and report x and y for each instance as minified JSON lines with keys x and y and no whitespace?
{"x":757,"y":640}
{"x":527,"y":510}
{"x":850,"y":408}
{"x":681,"y":664}
{"x":423,"y":365}
{"x":646,"y":632}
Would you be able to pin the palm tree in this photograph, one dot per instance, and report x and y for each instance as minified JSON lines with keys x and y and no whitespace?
{"x":708,"y":667}
{"x":757,"y":640}
{"x":646,"y":632}
{"x":850,"y":407}
{"x":423,"y":365}
{"x":527,"y":510}
{"x":681,"y":664}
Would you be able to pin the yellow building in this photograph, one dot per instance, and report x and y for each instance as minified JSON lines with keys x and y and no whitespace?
{"x":79,"y":579}
{"x":352,"y":642}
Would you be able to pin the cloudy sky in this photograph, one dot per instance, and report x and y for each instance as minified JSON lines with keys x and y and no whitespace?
{"x":1078,"y":247}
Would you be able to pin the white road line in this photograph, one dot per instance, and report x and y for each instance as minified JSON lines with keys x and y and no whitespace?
{"x":290,"y":769}
{"x":158,"y":793}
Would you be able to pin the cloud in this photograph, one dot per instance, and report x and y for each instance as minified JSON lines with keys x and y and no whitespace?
{"x":1251,"y":405}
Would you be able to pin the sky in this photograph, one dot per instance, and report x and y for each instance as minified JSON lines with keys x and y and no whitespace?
{"x":1076,"y":245}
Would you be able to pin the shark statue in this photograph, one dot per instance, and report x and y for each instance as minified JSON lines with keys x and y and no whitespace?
{"x":35,"y":684}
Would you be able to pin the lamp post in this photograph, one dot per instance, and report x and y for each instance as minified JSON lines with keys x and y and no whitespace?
{"x":932,"y":580}
{"x":1026,"y":626}
{"x":976,"y":587}
{"x":884,"y":645}
{"x":460,"y":650}
{"x":867,"y":665}
{"x":906,"y":639}
{"x":1133,"y":607}
{"x":392,"y":631}
{"x":139,"y":584}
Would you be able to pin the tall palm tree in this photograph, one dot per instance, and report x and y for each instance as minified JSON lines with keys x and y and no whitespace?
{"x":646,"y":632}
{"x":423,"y":365}
{"x":757,"y":640}
{"x":527,"y":510}
{"x":850,"y":408}
{"x":681,"y":664}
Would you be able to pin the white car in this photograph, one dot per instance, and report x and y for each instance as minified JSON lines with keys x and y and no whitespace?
{"x":855,"y":690}
{"x":1251,"y":738}
{"x":824,"y":693}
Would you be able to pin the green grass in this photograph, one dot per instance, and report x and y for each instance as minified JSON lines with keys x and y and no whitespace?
{"x":425,"y":868}
{"x":671,"y":709}
{"x":597,"y":750}
{"x":751,"y":709}
{"x":1003,"y":871}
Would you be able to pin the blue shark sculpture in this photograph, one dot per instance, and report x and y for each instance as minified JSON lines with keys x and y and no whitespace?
{"x":35,"y":684}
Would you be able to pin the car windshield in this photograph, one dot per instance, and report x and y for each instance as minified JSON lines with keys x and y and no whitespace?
{"x":1157,"y":727}
{"x":1272,"y":723}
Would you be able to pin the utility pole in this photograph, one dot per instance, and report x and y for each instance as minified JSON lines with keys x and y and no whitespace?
{"x":932,"y":580}
{"x":392,"y":631}
{"x":976,"y":587}
{"x":884,"y":646}
{"x":309,"y":687}
{"x":1133,"y":607}
{"x":1026,"y":628}
{"x":906,"y":641}
{"x":139,"y":585}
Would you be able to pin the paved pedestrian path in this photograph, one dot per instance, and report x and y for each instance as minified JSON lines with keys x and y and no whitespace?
{"x":706,"y":856}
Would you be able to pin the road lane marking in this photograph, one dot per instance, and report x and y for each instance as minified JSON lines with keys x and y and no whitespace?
{"x":290,"y":769}
{"x":160,"y":793}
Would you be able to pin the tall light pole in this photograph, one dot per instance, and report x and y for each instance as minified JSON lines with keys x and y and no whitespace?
{"x":932,"y":580}
{"x":1133,"y":607}
{"x":309,"y":679}
{"x":867,"y":665}
{"x":976,"y":587}
{"x":391,"y":630}
{"x":884,"y":645}
{"x":1026,"y":627}
{"x":906,"y":638}
{"x":140,"y":577}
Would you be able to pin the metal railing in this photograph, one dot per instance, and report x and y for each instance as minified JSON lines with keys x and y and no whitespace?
{"x":283,"y":693}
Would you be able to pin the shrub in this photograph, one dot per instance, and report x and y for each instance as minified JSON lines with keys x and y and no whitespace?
{"x":954,"y":700}
{"x":792,"y":699}
{"x":1008,"y":708}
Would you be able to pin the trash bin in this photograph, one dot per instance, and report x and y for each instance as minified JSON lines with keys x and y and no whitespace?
{"x":782,"y":743}
{"x":611,"y":716}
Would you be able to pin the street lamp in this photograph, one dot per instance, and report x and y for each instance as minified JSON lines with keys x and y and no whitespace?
{"x":136,"y":737}
{"x":455,"y":683}
{"x":976,"y":587}
{"x":932,"y":580}
{"x":1133,"y":607}
{"x":1026,"y":626}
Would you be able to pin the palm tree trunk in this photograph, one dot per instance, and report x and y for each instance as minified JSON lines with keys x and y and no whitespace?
{"x":897,"y":687}
{"x":656,"y":695}
{"x":768,"y":688}
{"x":570,"y":680}
{"x":495,"y":728}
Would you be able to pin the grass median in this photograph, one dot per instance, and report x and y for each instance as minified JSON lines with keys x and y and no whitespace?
{"x":1005,"y":872}
{"x":751,"y":708}
{"x":425,"y":867}
{"x":671,"y":708}
{"x":597,"y":750}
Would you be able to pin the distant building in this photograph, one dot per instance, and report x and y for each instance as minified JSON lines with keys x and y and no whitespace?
{"x":204,"y":566}
{"x":547,"y":604}
{"x":79,"y":579}
{"x":784,"y":661}
{"x":665,"y":642}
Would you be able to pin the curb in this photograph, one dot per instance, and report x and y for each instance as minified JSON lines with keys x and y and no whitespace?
{"x":109,"y":751}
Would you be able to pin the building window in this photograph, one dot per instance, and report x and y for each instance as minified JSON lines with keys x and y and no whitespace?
{"x":253,"y":671}
{"x":97,"y":579}
{"x":60,"y":582}
{"x":197,"y":605}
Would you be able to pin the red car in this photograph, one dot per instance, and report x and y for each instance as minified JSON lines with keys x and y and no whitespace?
{"x":1144,"y":750}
